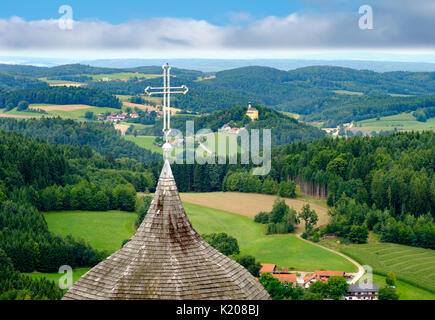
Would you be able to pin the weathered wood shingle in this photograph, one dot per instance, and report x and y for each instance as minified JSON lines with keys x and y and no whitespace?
{"x":167,"y":259}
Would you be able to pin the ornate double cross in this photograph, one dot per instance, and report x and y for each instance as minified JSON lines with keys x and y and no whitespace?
{"x":166,"y":91}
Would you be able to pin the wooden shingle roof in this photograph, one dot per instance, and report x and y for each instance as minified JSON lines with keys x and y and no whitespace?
{"x":167,"y":259}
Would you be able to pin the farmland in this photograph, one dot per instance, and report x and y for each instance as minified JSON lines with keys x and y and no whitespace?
{"x":146,"y":142}
{"x":124,"y":75}
{"x":405,"y":290}
{"x":106,"y":230}
{"x":415,"y":266}
{"x":248,"y":204}
{"x":103,"y":230}
{"x":75,"y":112}
{"x":401,"y":122}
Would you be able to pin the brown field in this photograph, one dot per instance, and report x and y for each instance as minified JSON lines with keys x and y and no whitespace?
{"x":4,"y":115}
{"x":66,"y":84}
{"x":121,"y":127}
{"x":249,"y":204}
{"x":69,"y":107}
{"x":147,"y":107}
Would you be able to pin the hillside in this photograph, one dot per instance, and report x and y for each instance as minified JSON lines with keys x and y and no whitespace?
{"x":284,"y":129}
{"x":325,"y":94}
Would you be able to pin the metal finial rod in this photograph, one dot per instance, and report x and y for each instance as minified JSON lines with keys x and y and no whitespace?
{"x":166,"y":91}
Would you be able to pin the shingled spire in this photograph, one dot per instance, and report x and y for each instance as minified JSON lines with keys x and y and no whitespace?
{"x":167,"y":259}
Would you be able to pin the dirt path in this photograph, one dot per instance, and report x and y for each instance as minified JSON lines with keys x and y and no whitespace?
{"x":360,"y":272}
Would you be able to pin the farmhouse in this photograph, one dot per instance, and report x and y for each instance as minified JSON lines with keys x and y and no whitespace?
{"x":281,"y":276}
{"x":167,"y":259}
{"x":286,"y":277}
{"x":267,"y":268}
{"x":321,"y":275}
{"x":362,"y":292}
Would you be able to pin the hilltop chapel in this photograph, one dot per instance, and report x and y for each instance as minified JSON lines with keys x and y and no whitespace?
{"x":167,"y":259}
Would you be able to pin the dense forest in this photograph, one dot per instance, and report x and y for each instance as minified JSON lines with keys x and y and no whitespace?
{"x":9,"y":82}
{"x":59,"y":95}
{"x":384,"y":183}
{"x":37,"y":176}
{"x":99,"y":136}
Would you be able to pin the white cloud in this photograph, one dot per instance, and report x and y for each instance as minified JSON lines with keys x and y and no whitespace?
{"x":398,"y":24}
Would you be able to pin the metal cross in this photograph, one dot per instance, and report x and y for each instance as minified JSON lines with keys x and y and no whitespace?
{"x":166,"y":90}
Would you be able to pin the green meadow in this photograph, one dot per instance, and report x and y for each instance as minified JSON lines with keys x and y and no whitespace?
{"x":106,"y":230}
{"x":415,"y":266}
{"x":405,"y":290}
{"x":124,"y":75}
{"x":402,"y":122}
{"x":146,"y":142}
{"x":67,"y":114}
{"x":103,"y":230}
{"x":283,"y":250}
{"x":77,"y":273}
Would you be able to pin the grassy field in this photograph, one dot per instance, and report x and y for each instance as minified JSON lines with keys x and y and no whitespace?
{"x":75,"y":112}
{"x":106,"y":230}
{"x":402,"y":122}
{"x":349,"y":93}
{"x":405,"y":290}
{"x":77,"y":273}
{"x":124,"y":75}
{"x":103,"y":230}
{"x":415,"y":266}
{"x":145,"y":142}
{"x":283,"y":250}
{"x":250,"y":204}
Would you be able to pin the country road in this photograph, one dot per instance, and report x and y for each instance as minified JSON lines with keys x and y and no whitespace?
{"x":360,"y":272}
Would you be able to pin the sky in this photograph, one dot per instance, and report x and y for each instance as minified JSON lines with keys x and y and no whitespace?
{"x":401,"y":29}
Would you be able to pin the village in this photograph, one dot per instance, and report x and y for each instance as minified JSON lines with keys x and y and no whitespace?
{"x":306,"y":279}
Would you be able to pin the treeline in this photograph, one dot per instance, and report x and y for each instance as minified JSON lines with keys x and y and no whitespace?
{"x":59,"y":95}
{"x":353,"y":220}
{"x":15,"y":286}
{"x":87,"y":196}
{"x":341,"y":110}
{"x":101,"y":137}
{"x":13,"y":82}
{"x":28,"y":243}
{"x":73,"y":78}
{"x":34,"y":174}
{"x":393,"y":174}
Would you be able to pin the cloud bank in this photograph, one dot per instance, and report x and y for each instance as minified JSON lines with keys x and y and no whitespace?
{"x":398,"y":24}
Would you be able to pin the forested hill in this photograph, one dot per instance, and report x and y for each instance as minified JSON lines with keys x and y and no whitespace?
{"x":9,"y":82}
{"x":59,"y":95}
{"x":317,"y":93}
{"x":101,"y":137}
{"x":80,"y":69}
{"x":284,"y":129}
{"x":312,"y":89}
{"x":332,"y":95}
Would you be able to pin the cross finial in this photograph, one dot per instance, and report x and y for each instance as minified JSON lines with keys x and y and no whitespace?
{"x":166,"y":91}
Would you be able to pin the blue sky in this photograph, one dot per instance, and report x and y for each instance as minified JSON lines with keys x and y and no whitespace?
{"x":218,"y":29}
{"x":218,"y":12}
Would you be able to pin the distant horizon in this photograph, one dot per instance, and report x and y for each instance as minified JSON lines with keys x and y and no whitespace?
{"x":219,"y":64}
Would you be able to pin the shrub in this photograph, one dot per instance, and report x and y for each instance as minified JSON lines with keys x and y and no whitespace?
{"x":262,"y":217}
